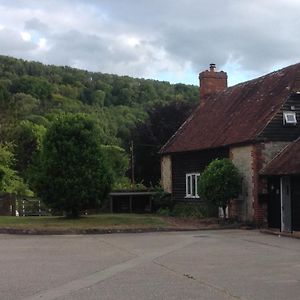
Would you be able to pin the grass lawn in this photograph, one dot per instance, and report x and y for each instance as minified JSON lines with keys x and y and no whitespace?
{"x":102,"y":221}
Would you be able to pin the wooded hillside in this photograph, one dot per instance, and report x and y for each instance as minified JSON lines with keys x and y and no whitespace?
{"x":125,"y":108}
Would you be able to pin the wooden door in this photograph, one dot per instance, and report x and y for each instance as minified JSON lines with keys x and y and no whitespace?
{"x":286,"y":214}
{"x":295,"y":188}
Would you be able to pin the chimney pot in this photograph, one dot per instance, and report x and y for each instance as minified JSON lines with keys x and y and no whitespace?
{"x":212,"y":67}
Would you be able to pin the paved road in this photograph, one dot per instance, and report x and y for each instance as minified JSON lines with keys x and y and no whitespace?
{"x":231,"y":264}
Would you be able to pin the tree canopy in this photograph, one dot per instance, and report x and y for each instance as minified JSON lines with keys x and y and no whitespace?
{"x":10,"y":182}
{"x":33,"y":95}
{"x":74,"y":171}
{"x":219,"y":183}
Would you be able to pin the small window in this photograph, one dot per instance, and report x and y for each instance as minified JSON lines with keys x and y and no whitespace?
{"x":191,"y":185}
{"x":289,"y":118}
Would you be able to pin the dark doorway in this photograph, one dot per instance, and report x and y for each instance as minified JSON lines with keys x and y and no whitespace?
{"x":295,"y":183}
{"x":274,"y":206}
{"x":121,"y":204}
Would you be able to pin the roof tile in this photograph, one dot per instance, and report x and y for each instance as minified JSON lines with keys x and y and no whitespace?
{"x":235,"y":115}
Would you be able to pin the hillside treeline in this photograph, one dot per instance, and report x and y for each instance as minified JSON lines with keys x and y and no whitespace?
{"x":32,"y":95}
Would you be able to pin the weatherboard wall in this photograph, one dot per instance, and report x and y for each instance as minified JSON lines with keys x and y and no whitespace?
{"x":191,"y":162}
{"x":275,"y":130}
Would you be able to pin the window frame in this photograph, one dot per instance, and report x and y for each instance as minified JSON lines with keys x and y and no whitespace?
{"x":285,"y":118}
{"x":191,"y":186}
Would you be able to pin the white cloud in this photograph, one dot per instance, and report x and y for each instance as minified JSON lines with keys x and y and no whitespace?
{"x":159,"y":39}
{"x":130,"y":41}
{"x":26,"y":36}
{"x":42,"y":43}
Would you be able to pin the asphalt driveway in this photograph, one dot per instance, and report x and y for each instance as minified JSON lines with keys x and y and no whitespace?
{"x":231,"y":264}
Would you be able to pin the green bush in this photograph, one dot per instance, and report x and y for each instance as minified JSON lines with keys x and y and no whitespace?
{"x":189,"y":210}
{"x":161,"y":199}
{"x":164,"y":212}
{"x":219,"y":183}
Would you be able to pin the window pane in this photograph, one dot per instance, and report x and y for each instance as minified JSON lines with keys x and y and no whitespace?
{"x":290,"y":117}
{"x":193,"y":186}
{"x":188,"y":184}
{"x":197,"y":178}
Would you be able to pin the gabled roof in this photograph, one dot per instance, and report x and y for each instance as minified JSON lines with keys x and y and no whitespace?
{"x":287,"y":162}
{"x":235,"y":115}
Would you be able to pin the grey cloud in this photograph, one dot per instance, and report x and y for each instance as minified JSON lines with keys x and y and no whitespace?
{"x":12,"y":43}
{"x":256,"y":34}
{"x":37,"y":25}
{"x":93,"y":52}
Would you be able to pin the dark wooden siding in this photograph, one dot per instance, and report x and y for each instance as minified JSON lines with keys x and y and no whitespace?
{"x":276,"y":131}
{"x":191,"y":162}
{"x":295,"y":184}
{"x":274,"y":206}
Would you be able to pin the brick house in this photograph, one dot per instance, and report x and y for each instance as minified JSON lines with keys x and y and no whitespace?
{"x":249,"y":123}
{"x":283,"y":180}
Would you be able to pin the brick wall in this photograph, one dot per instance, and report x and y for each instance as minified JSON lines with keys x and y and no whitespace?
{"x":212,"y":81}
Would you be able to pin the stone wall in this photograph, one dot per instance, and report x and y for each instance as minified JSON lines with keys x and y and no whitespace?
{"x":250,"y":160}
{"x":166,"y":173}
{"x":242,"y":208}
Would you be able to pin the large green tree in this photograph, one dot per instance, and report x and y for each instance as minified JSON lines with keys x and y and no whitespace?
{"x":28,"y":137}
{"x":150,"y":135}
{"x":10,"y":182}
{"x":75,"y":173}
{"x":219,"y":183}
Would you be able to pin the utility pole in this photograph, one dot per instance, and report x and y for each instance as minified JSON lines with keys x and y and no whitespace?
{"x":132,"y":165}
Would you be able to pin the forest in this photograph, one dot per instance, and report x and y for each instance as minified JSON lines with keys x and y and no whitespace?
{"x":128,"y":112}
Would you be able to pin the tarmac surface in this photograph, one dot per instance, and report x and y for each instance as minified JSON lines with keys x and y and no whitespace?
{"x":224,"y":264}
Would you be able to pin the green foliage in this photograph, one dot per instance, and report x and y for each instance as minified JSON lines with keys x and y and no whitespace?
{"x":189,"y":210}
{"x":28,"y":138}
{"x":22,"y":105}
{"x":164,"y":212}
{"x":150,"y":135}
{"x":75,"y":174}
{"x":10,"y":182}
{"x":219,"y":183}
{"x":39,"y":88}
{"x":124,"y":183}
{"x":124,"y":108}
{"x":161,"y":200}
{"x":118,"y":161}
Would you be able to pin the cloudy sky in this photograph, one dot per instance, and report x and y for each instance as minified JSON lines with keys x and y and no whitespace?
{"x":162,"y":39}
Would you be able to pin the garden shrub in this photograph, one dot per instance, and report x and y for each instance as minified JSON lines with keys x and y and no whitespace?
{"x":189,"y":210}
{"x":219,"y":183}
{"x":161,"y":199}
{"x":164,"y":212}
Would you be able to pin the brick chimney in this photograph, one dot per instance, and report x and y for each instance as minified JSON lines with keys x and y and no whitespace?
{"x":212,"y":81}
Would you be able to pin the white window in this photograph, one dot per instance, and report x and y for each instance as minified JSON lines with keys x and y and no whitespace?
{"x":289,"y":118}
{"x":191,"y":185}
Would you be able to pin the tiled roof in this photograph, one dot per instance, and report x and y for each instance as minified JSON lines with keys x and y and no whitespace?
{"x":287,"y":162}
{"x":235,"y":115}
